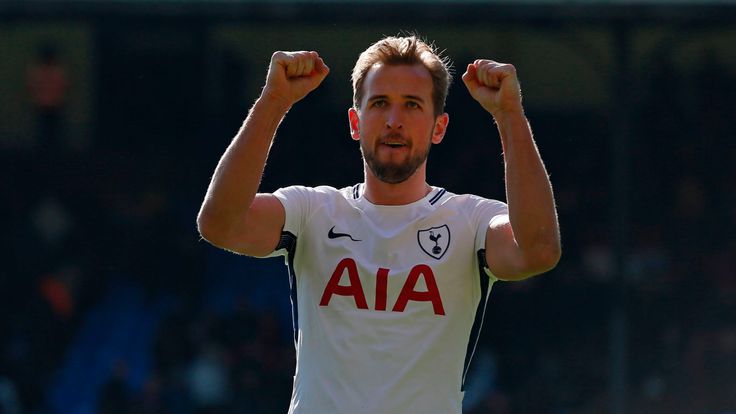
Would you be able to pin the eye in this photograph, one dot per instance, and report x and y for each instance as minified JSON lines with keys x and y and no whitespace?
{"x":412,"y":104}
{"x":379,"y":103}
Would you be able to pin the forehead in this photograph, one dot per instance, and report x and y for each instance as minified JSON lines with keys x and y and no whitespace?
{"x":383,"y":79}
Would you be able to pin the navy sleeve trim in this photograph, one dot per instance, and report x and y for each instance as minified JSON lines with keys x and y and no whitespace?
{"x":288,"y":242}
{"x":485,"y":288}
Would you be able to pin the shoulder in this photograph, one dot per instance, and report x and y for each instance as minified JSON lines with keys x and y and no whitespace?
{"x":478,"y":211}
{"x":471,"y":201}
{"x":322,"y":190}
{"x":317,"y":196}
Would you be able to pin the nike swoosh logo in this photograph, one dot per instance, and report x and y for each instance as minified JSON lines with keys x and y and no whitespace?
{"x":331,"y":234}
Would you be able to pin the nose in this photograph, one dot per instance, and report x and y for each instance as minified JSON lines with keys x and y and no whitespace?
{"x":393,"y":118}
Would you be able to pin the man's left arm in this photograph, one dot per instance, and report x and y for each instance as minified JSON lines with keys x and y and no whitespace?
{"x":526,"y":242}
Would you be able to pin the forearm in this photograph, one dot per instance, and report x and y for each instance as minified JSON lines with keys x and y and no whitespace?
{"x":238,"y":174}
{"x":532,"y":211}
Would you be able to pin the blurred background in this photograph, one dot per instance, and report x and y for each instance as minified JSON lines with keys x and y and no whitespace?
{"x":113,"y":116}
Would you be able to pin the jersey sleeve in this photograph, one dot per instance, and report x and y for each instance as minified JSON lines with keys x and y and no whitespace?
{"x":297,"y":206}
{"x":483,"y":211}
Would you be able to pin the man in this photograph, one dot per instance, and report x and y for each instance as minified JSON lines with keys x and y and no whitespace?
{"x":389,"y":277}
{"x":47,"y":86}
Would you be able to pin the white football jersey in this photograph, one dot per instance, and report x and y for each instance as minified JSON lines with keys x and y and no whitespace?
{"x":387,"y":301}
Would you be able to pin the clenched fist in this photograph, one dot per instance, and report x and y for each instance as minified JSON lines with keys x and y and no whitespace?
{"x":494,"y":85}
{"x":292,"y":75}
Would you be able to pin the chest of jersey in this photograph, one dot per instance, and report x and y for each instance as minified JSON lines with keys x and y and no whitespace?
{"x":372,"y":264}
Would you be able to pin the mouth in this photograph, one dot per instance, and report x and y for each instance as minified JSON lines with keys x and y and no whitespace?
{"x":394,"y":144}
{"x":394,"y":141}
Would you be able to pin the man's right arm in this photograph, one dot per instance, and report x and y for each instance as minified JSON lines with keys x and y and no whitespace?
{"x":233,"y":216}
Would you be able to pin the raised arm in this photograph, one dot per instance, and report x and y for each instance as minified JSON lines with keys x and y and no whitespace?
{"x":527,"y":241}
{"x":232,"y":215}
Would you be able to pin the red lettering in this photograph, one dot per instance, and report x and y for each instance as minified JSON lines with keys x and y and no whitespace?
{"x":431,"y":295}
{"x":381,"y":288}
{"x":408,"y":292}
{"x":354,"y":289}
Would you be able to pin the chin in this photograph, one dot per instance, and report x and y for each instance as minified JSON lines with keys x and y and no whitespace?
{"x":394,"y":174}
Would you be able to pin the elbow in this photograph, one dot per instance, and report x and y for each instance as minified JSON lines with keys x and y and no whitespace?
{"x":204,"y":226}
{"x":210,"y":228}
{"x":541,"y":259}
{"x":534,"y":262}
{"x":546,"y":256}
{"x":221,"y":232}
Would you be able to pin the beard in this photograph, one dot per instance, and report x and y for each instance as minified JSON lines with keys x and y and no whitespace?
{"x":392,"y":172}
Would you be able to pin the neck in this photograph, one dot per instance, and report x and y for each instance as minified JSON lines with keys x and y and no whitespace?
{"x":412,"y":189}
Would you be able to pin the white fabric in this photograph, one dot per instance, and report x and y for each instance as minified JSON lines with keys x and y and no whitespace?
{"x":359,"y":359}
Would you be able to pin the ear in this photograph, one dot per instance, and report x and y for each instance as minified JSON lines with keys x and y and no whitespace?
{"x":440,"y":127}
{"x":354,"y":121}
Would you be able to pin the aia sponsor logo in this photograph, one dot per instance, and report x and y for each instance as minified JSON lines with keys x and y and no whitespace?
{"x":408,"y":292}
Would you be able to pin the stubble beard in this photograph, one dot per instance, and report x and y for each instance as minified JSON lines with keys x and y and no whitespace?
{"x":392,"y":172}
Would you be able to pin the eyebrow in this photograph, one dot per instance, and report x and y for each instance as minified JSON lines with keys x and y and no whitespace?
{"x":409,"y":97}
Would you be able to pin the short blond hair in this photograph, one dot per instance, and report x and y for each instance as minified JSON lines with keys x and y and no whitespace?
{"x":408,"y":50}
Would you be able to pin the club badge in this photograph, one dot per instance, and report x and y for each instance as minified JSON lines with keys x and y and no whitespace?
{"x":434,"y":241}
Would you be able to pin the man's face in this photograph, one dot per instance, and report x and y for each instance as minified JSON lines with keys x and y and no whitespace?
{"x":395,"y":122}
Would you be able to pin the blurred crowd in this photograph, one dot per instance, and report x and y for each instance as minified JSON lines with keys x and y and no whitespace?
{"x":80,"y":219}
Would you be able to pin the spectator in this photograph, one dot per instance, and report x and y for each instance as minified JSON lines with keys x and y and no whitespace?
{"x":47,"y":86}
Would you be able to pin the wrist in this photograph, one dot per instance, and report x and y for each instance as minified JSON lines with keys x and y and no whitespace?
{"x":504,"y":117}
{"x":274,"y":102}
